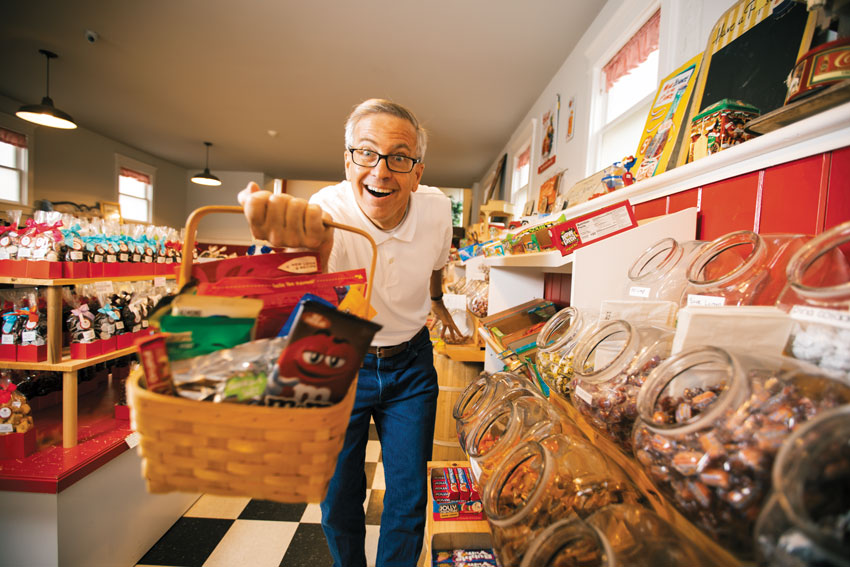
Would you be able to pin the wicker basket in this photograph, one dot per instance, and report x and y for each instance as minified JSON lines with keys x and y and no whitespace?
{"x":282,"y":454}
{"x":271,"y":453}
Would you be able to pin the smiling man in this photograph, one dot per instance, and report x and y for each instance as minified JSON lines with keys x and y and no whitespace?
{"x":397,"y":384}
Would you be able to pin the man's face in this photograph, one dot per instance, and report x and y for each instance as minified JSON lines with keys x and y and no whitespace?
{"x":383,"y":194}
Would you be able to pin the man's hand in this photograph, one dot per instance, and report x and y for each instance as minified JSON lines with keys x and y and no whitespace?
{"x":449,"y":327}
{"x":283,"y":220}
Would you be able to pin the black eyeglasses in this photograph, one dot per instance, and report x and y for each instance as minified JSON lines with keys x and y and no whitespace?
{"x":397,"y":163}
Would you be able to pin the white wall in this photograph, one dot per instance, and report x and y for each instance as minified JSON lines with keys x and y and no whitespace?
{"x":685,"y":27}
{"x":79,"y":166}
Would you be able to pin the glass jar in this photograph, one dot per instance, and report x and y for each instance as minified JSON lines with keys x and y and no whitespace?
{"x":658,"y":274}
{"x":615,"y":535}
{"x":507,"y":425}
{"x":482,"y":394}
{"x":555,"y":345}
{"x":711,"y":422}
{"x":611,"y":365}
{"x":804,"y":522}
{"x":477,"y":297}
{"x":541,"y":482}
{"x":740,"y":268}
{"x":817,"y":297}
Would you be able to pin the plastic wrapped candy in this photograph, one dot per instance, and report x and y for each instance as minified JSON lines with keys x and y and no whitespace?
{"x":711,"y":423}
{"x":14,"y":410}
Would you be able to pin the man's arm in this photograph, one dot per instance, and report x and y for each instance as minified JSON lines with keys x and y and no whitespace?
{"x":284,"y":220}
{"x":439,"y":308}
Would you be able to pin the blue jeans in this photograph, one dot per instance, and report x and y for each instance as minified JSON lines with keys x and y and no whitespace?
{"x":400,"y":393}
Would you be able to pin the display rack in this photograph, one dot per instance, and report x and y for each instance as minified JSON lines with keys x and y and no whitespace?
{"x":58,"y":361}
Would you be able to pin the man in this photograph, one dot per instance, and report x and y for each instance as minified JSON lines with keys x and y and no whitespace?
{"x":397,"y":384}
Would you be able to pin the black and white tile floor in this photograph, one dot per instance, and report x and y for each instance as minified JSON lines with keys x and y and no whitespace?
{"x":239,"y":532}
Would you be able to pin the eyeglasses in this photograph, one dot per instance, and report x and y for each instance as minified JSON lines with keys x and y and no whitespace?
{"x":397,"y":163}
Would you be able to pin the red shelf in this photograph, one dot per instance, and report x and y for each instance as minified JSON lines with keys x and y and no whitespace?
{"x":53,"y":468}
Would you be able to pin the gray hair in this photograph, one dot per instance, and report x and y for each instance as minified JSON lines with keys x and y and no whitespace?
{"x":383,"y":106}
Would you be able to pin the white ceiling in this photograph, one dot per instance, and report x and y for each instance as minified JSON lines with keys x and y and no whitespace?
{"x":165,"y":75}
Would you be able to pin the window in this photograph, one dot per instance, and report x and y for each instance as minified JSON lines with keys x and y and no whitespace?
{"x":13,"y":166}
{"x":629,"y":79}
{"x":135,"y":189}
{"x":521,"y":176}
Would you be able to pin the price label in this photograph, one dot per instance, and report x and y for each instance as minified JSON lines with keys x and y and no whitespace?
{"x":88,"y":335}
{"x":103,"y":287}
{"x":24,"y":252}
{"x":76,"y":255}
{"x":636,"y":291}
{"x":8,"y":340}
{"x":583,"y":394}
{"x":705,"y":300}
{"x":29,"y":336}
{"x":133,"y":439}
{"x":159,"y":281}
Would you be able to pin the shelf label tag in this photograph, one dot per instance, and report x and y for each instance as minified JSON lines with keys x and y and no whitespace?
{"x":103,"y":286}
{"x":159,"y":281}
{"x":705,"y":300}
{"x":133,"y":439}
{"x":636,"y":291}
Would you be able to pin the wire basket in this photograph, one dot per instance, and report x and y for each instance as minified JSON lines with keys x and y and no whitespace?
{"x":270,"y":453}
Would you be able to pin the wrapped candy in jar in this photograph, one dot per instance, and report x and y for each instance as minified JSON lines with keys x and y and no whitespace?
{"x":817,"y":297}
{"x":611,"y":365}
{"x":659,"y":272}
{"x":711,"y":423}
{"x":507,"y":425}
{"x":477,"y":298}
{"x":615,"y":535}
{"x":541,"y":482}
{"x":482,"y":394}
{"x":804,"y":522}
{"x":740,"y":268}
{"x":555,"y":345}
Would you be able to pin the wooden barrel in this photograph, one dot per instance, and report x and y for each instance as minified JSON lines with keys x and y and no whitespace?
{"x":453,"y":377}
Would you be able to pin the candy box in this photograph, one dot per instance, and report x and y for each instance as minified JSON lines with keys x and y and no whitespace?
{"x":720,"y":126}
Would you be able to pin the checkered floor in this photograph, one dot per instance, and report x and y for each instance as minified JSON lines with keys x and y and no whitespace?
{"x":240,"y":532}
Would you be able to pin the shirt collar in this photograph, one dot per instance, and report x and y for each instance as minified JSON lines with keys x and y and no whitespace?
{"x":403,"y":232}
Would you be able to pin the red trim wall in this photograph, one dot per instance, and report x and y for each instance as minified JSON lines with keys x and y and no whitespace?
{"x":806,"y":196}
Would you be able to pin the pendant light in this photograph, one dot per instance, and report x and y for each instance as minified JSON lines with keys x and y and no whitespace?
{"x":206,"y":178}
{"x":45,"y":113}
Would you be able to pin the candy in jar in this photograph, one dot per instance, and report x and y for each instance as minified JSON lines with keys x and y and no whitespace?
{"x":482,"y":394}
{"x":804,"y":522}
{"x":541,"y":482}
{"x":615,"y":535}
{"x":556,"y":343}
{"x":505,"y":426}
{"x":711,"y":423}
{"x":817,"y":297}
{"x":611,"y":365}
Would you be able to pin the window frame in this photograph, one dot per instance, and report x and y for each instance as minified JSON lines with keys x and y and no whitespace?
{"x":19,"y":126}
{"x":598,"y":106}
{"x":524,"y":142}
{"x":122,"y":161}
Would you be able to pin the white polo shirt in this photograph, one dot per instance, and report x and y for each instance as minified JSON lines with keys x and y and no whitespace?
{"x":407,"y":255}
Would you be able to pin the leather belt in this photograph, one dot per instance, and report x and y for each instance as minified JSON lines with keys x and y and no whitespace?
{"x":389,"y":351}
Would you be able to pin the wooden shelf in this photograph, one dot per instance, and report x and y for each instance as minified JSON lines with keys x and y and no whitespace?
{"x":462,"y":353}
{"x":448,"y":534}
{"x":67,"y":364}
{"x":74,"y":281}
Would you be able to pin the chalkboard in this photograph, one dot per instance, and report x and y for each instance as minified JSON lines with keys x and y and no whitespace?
{"x":750,"y":52}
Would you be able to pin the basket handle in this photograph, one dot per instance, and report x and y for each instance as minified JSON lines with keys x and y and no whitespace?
{"x":192,"y":229}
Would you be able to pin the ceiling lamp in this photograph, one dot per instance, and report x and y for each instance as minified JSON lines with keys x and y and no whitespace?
{"x":45,"y":113}
{"x":206,"y":178}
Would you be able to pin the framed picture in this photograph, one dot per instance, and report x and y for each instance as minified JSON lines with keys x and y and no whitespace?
{"x":110,"y":211}
{"x":529,"y":208}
